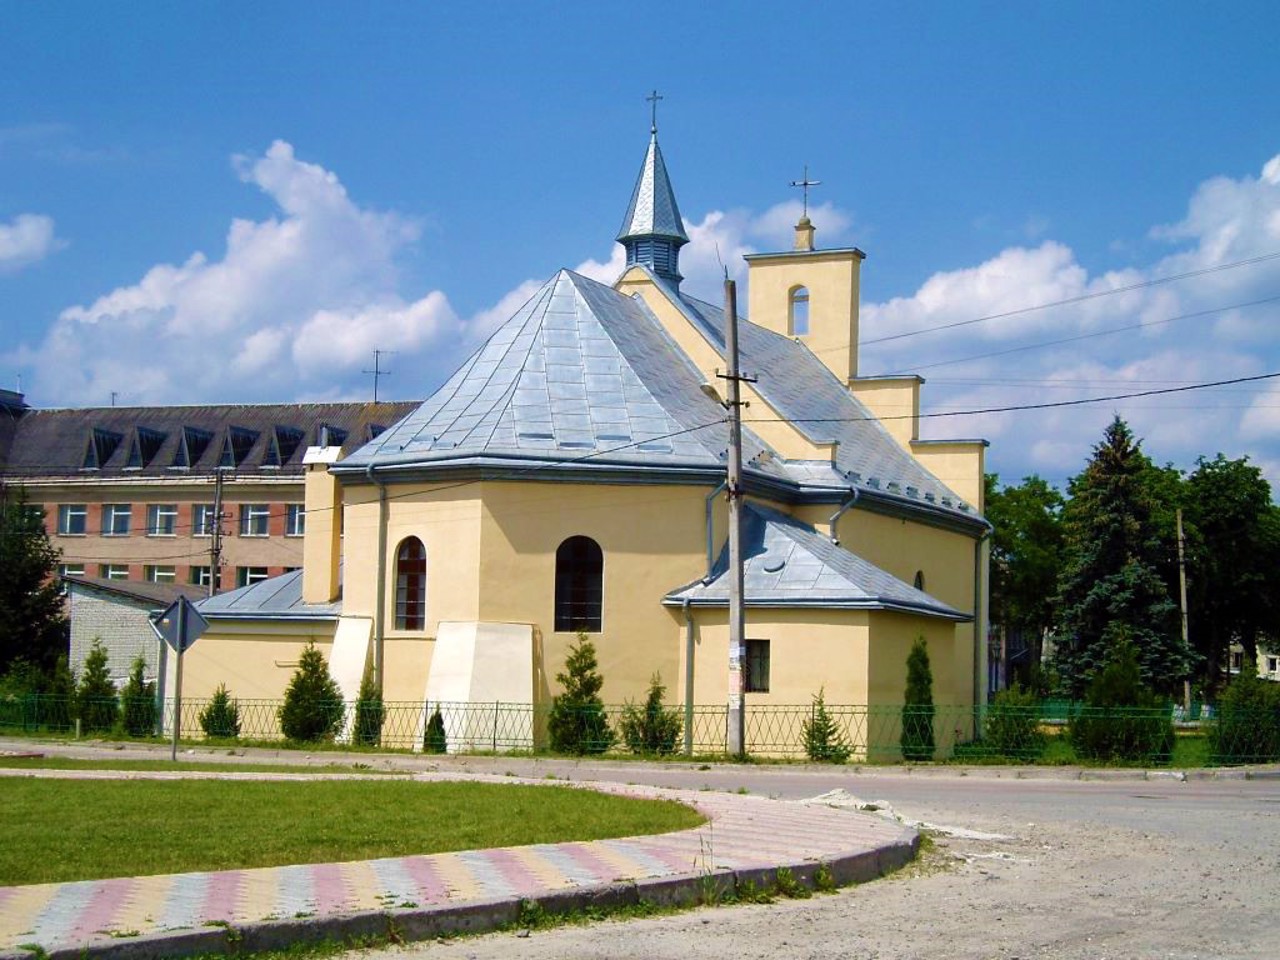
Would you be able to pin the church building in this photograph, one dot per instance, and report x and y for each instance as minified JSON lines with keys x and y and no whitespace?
{"x":570,"y":478}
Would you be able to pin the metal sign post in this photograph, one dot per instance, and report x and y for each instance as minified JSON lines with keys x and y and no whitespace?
{"x":180,"y":625}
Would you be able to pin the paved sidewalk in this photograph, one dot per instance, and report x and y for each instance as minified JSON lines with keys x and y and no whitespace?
{"x":416,"y":897}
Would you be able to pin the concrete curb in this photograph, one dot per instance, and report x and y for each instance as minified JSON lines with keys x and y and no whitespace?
{"x":483,"y":916}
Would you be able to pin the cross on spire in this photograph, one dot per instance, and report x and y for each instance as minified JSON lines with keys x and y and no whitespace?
{"x":653,"y":98}
{"x":805,"y":184}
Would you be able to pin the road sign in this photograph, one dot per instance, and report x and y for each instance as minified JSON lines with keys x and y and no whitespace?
{"x":180,"y":629}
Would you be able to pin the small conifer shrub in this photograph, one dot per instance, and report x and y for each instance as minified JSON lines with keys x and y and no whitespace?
{"x":1122,"y":718}
{"x":433,"y":738}
{"x":917,"y":705}
{"x":313,"y":707}
{"x":97,"y":705}
{"x":138,"y":703}
{"x":1247,"y":727}
{"x":1013,"y":724}
{"x":577,"y":723}
{"x":370,"y":712}
{"x":651,"y":729}
{"x":823,"y":739}
{"x":220,"y":719}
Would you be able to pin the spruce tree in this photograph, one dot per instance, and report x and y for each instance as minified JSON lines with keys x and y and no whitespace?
{"x":917,"y":705}
{"x":578,"y":723}
{"x":651,"y":729}
{"x":369,"y":711}
{"x":138,"y":702}
{"x":823,"y":739}
{"x":1110,"y":585}
{"x":32,"y":625}
{"x":220,"y":719}
{"x":434,"y":738}
{"x":313,"y":708}
{"x":97,"y":705}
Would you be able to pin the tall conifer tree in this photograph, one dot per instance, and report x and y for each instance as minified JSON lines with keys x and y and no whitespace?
{"x":1109,"y":587}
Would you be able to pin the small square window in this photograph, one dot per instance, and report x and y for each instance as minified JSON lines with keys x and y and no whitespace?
{"x":246,"y":576}
{"x":115,"y":519}
{"x":253,"y":519}
{"x":159,"y":574}
{"x":162,"y":519}
{"x":114,"y":571}
{"x":202,"y":519}
{"x":295,"y":521}
{"x":200,"y":576}
{"x":71,"y":569}
{"x":757,"y":666}
{"x":73,"y":519}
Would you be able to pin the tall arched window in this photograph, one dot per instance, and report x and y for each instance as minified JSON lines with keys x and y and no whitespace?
{"x":411,"y":585}
{"x":579,"y":585}
{"x":798,"y":311}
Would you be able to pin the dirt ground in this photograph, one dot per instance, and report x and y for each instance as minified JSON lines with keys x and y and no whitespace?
{"x":1133,"y":871}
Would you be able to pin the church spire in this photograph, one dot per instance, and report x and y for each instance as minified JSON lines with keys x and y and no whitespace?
{"x":652,"y":231}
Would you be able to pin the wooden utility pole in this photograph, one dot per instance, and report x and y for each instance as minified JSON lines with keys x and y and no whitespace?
{"x":737,"y":732}
{"x":215,"y":544}
{"x":1182,"y":588}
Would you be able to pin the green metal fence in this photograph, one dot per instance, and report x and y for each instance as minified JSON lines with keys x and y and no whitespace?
{"x":1049,"y":732}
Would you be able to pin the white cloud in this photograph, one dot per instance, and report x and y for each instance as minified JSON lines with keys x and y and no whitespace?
{"x":26,"y":239}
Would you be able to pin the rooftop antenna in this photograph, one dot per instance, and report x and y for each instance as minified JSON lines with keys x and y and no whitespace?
{"x":114,"y":394}
{"x":653,"y":99}
{"x":377,"y":370}
{"x":804,"y":185}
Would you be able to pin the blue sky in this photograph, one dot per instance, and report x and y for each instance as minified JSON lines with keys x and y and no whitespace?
{"x":230,"y":202}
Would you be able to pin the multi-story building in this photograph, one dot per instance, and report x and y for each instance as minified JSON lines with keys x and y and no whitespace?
{"x":155,"y":493}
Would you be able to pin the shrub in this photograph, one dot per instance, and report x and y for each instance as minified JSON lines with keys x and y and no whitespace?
{"x":577,"y":723}
{"x":823,"y":739}
{"x":433,"y":738}
{"x":1122,"y":720}
{"x":370,"y":712}
{"x":1247,"y":728}
{"x":1013,"y":724}
{"x":917,"y":705}
{"x":652,"y":729}
{"x":313,"y":707}
{"x":221,"y":716}
{"x":97,"y":705}
{"x":138,"y":703}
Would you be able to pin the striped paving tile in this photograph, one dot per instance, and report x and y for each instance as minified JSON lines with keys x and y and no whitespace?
{"x":742,"y":831}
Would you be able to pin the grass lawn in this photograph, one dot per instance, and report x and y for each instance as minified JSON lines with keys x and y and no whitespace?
{"x":62,"y":830}
{"x":73,"y":763}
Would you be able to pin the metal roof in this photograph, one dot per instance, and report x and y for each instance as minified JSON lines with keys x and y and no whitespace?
{"x":155,"y":595}
{"x":279,"y":598}
{"x":581,"y":378}
{"x":653,"y":211}
{"x":789,"y":564}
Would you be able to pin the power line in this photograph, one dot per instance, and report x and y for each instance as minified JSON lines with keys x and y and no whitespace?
{"x":1143,"y":284}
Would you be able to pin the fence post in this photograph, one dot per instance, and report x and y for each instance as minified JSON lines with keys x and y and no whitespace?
{"x":495,"y":726}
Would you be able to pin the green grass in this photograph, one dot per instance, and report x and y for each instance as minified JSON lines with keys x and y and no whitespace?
{"x":72,"y":763}
{"x":63,"y":830}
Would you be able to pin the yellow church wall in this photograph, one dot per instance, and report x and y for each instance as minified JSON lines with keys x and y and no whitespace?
{"x":831,"y":278}
{"x":957,"y":463}
{"x":895,"y":402}
{"x":653,"y":540}
{"x":254,"y":660}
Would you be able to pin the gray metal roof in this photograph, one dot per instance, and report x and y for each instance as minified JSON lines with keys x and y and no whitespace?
{"x":789,"y":564}
{"x":653,"y":210}
{"x":152,"y":595}
{"x":579,"y":378}
{"x":279,"y":598}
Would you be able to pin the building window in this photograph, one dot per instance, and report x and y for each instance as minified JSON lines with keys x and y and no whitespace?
{"x":253,"y":519}
{"x":114,"y":571}
{"x":757,"y":666}
{"x":162,"y":519}
{"x":159,"y":574}
{"x":115,"y":519}
{"x":73,"y":519}
{"x":295,"y":520}
{"x":1237,"y":660}
{"x":71,"y":569}
{"x":579,"y":585}
{"x":202,"y":519}
{"x":798,"y":311}
{"x":200,"y":576}
{"x":247,"y":576}
{"x":1273,"y":664}
{"x":411,"y":585}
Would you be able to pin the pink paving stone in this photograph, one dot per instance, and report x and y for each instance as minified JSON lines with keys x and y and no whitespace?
{"x":599,"y":868}
{"x":98,"y":914}
{"x":521,"y":879}
{"x":422,"y":871}
{"x":330,"y":888}
{"x":222,"y":895}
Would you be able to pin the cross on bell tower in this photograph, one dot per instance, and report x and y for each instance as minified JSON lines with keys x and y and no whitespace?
{"x":804,"y":229}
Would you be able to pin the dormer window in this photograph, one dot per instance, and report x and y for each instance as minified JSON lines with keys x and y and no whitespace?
{"x":102,"y":444}
{"x":798,"y":311}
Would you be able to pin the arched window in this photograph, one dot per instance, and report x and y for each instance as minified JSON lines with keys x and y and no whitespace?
{"x":411,"y":585}
{"x":919,"y":584}
{"x":798,"y":311}
{"x":579,"y":585}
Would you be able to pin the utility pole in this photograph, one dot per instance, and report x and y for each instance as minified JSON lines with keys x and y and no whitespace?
{"x":737,"y":732}
{"x":215,"y":545}
{"x":1182,"y":587}
{"x":377,"y":370}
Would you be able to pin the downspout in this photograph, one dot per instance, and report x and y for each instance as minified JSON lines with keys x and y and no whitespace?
{"x":711,"y":560}
{"x":688,"y":678}
{"x":979,"y":632}
{"x":844,"y":508}
{"x":379,"y":611}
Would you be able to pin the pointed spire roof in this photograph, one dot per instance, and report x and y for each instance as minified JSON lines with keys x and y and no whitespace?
{"x":653,"y":211}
